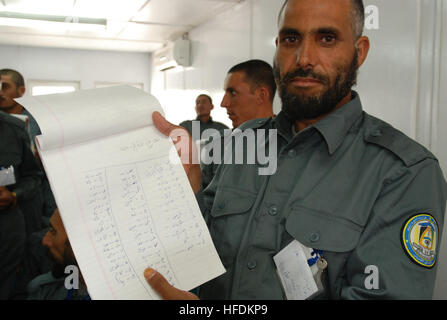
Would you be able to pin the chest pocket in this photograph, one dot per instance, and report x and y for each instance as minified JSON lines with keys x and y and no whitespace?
{"x":336,"y":237}
{"x":10,"y":157}
{"x":228,"y":220}
{"x":322,"y":231}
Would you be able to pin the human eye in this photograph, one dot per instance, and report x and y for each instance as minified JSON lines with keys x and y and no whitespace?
{"x":328,"y":39}
{"x":289,"y":40}
{"x":289,"y":37}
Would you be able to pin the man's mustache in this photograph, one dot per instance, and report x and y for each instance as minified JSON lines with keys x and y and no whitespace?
{"x":304,"y":73}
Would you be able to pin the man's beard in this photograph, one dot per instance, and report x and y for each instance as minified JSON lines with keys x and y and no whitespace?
{"x":298,"y":107}
{"x":7,"y":108}
{"x":12,"y":101}
{"x":58,"y":269}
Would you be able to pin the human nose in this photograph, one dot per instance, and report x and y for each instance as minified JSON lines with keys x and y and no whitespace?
{"x":306,"y":54}
{"x":225,"y":102}
{"x":46,"y":240}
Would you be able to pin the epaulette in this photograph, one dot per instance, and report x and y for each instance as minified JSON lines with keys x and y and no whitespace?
{"x":253,"y":124}
{"x":12,"y":120}
{"x":406,"y":149}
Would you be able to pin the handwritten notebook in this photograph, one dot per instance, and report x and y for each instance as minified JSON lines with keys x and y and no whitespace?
{"x":124,"y":203}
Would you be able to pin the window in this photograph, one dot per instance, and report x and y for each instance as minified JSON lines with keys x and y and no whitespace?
{"x":40,"y":87}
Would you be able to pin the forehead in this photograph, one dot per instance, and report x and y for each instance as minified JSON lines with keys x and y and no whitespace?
{"x":6,"y":78}
{"x":310,"y":15}
{"x":235,"y":79}
{"x":202,"y":99}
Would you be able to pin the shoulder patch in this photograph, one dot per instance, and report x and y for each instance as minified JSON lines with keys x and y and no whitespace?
{"x":420,"y":239}
{"x":406,"y":149}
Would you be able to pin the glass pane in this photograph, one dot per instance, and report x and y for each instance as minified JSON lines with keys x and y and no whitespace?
{"x":40,"y":90}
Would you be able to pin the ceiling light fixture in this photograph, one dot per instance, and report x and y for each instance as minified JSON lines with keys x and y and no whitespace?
{"x":16,"y":19}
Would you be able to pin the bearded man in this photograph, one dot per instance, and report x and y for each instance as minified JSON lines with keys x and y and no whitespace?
{"x":356,"y":195}
{"x":61,"y":283}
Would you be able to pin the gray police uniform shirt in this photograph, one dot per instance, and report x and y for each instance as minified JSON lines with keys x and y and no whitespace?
{"x":350,"y":185}
{"x":210,"y":124}
{"x":15,"y":150}
{"x":47,"y":287}
{"x":34,"y":129}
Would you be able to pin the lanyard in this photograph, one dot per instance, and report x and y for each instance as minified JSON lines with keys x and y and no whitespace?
{"x":70,"y":295}
{"x":316,"y":254}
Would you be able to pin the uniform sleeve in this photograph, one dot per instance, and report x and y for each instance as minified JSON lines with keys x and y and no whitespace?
{"x":397,"y":251}
{"x":29,"y":174}
{"x":205,"y":196}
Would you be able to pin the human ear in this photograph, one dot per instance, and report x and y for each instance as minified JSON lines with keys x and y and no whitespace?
{"x":362,"y":45}
{"x":21,"y":91}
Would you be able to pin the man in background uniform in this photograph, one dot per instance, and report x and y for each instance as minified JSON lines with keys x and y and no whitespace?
{"x":249,"y":93}
{"x":52,"y":285}
{"x":37,"y":209}
{"x":204,"y":105}
{"x":359,"y":193}
{"x":13,"y":86}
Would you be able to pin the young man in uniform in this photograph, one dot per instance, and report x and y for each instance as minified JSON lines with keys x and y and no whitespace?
{"x":249,"y":93}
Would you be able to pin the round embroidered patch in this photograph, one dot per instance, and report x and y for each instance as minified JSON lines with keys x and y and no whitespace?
{"x":419,"y":238}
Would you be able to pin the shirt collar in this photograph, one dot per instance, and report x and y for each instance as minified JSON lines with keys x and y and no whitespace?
{"x":209,"y":121}
{"x":333,"y":127}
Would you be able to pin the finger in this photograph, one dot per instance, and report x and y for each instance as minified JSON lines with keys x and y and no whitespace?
{"x":164,"y":289}
{"x":164,"y":126}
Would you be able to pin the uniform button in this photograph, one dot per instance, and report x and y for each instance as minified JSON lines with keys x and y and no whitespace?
{"x":376,"y":133}
{"x":221,"y":206}
{"x":251,"y":265}
{"x":273,"y":211}
{"x":292,"y":153}
{"x":314,"y":237}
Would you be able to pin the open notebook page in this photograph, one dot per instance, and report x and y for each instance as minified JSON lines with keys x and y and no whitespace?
{"x":68,"y":118}
{"x":127,"y":206}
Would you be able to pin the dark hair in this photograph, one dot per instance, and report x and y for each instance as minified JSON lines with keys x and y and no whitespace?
{"x":207,"y":96}
{"x":358,"y":16}
{"x":16,"y":77}
{"x":259,"y":73}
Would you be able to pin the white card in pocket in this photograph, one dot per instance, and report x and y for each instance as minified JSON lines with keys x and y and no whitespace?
{"x":7,"y":176}
{"x":294,"y":271}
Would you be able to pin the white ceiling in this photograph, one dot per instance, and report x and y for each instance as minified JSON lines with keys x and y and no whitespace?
{"x":128,"y":25}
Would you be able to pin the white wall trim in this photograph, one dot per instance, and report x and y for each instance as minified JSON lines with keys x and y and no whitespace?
{"x":428,"y":76}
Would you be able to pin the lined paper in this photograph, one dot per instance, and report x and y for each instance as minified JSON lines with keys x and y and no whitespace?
{"x":125,"y":205}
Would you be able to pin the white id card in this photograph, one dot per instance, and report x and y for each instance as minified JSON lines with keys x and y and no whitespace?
{"x":7,"y":176}
{"x":296,"y":276}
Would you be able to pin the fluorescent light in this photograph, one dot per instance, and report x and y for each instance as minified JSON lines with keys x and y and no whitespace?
{"x":49,"y":22}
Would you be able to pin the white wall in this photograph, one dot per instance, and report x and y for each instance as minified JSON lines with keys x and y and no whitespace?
{"x":440,"y":137}
{"x":247,"y":31}
{"x":84,"y":66}
{"x":403,"y":80}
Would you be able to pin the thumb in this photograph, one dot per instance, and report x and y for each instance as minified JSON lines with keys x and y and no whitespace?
{"x":164,"y":289}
